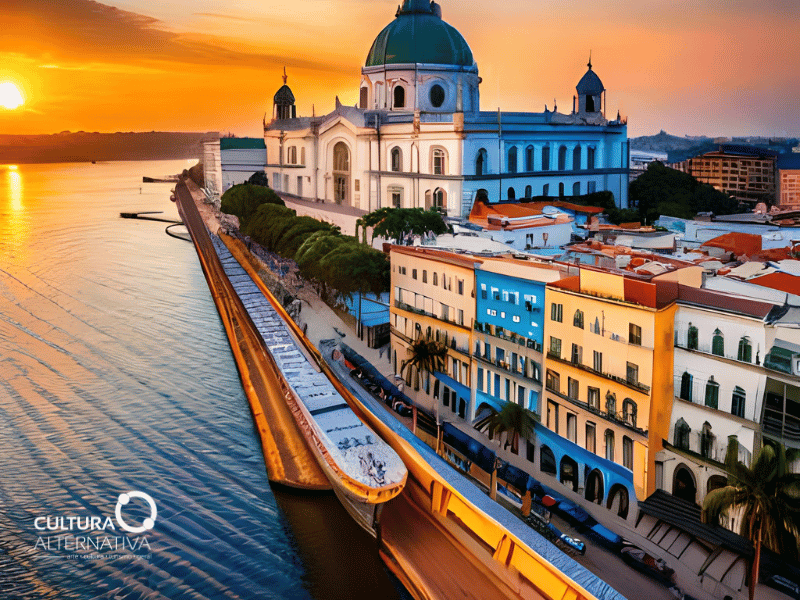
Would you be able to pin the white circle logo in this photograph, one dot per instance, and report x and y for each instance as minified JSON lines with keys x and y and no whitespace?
{"x":148,"y":523}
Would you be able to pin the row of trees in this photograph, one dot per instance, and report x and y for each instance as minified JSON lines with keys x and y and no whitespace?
{"x":337,"y":264}
{"x":401,"y":224}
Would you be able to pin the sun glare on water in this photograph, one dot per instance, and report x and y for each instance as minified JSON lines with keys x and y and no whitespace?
{"x":10,"y":96}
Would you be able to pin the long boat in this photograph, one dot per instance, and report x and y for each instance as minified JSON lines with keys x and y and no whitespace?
{"x":363,"y":470}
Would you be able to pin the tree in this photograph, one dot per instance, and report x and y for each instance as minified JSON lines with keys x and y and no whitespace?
{"x":397,"y":223}
{"x":427,"y":356}
{"x":259,"y":178}
{"x":768,"y":495}
{"x":244,"y":199}
{"x":353,"y":267}
{"x":292,"y":238}
{"x":664,"y":191}
{"x":513,"y":420}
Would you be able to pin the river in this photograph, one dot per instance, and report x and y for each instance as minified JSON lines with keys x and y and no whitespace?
{"x":116,"y":376}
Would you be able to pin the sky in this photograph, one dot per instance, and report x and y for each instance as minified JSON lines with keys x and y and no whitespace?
{"x":705,"y":67}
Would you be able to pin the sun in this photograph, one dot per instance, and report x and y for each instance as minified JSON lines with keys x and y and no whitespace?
{"x":10,"y":96}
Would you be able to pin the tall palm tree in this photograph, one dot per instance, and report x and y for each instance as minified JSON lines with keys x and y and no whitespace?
{"x":513,"y":420}
{"x":427,"y":356}
{"x":768,"y":495}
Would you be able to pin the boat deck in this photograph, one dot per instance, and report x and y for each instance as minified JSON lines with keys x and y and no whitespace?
{"x":355,"y":448}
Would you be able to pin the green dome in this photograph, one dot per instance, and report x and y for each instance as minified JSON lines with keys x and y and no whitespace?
{"x":418,"y":35}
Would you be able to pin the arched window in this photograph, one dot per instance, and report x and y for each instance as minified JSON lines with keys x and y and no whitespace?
{"x":737,"y":402}
{"x":546,"y":189}
{"x":590,"y":152}
{"x":577,"y":320}
{"x":692,"y":339}
{"x":364,"y":97}
{"x":561,"y":190}
{"x":681,"y":435}
{"x":609,"y":445}
{"x":512,"y":195}
{"x":399,"y":96}
{"x":481,"y":162}
{"x":627,"y":452}
{"x":528,"y":191}
{"x":629,"y":411}
{"x":686,"y":386}
{"x":547,"y":460}
{"x":707,"y":440}
{"x":511,"y":167}
{"x":439,"y":199}
{"x":529,"y":158}
{"x":745,"y":350}
{"x":562,"y":158}
{"x":397,"y":159}
{"x":576,"y":188}
{"x":437,"y":95}
{"x":611,"y":405}
{"x":546,"y":158}
{"x":341,"y":173}
{"x":436,"y":282}
{"x":712,"y":393}
{"x":576,"y":158}
{"x":718,"y":343}
{"x":438,"y":161}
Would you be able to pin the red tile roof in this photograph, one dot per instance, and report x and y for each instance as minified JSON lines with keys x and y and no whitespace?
{"x":738,"y":243}
{"x":779,"y":281}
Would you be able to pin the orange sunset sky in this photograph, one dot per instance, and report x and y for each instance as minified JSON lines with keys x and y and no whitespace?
{"x":713,"y":67}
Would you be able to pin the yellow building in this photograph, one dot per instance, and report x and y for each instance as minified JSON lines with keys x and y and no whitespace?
{"x":608,"y":383}
{"x":433,"y":295}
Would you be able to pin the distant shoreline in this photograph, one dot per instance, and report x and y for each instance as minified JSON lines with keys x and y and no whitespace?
{"x":102,"y":147}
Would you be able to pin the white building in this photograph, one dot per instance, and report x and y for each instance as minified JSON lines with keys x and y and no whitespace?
{"x":240,"y":158}
{"x":721,"y":343}
{"x":418,"y":137}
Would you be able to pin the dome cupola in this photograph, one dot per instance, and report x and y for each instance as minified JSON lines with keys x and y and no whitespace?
{"x":418,"y":35}
{"x":590,"y":92}
{"x":283,"y":101}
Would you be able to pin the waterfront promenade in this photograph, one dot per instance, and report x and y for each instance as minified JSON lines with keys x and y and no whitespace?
{"x":443,"y":517}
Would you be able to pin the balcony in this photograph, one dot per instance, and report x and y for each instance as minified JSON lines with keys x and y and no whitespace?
{"x":636,"y":385}
{"x":425,"y":313}
{"x":617,"y":418}
{"x":503,"y":334}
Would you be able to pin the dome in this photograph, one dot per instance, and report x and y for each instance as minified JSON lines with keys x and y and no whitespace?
{"x":590,"y":84}
{"x":284,"y":96}
{"x":418,"y":35}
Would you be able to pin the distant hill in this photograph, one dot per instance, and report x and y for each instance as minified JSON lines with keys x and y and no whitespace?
{"x":680,"y":148}
{"x":85,"y":147}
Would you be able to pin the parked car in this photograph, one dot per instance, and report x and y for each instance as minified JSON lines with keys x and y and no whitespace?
{"x":649,"y":565}
{"x":574,"y":543}
{"x":583,"y":521}
{"x":401,"y":408}
{"x":785,"y":585}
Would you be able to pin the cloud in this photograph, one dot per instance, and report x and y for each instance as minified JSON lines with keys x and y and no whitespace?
{"x":85,"y":30}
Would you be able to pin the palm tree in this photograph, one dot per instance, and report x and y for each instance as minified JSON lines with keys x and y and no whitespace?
{"x":513,"y":420}
{"x":768,"y":495}
{"x":426,"y":355}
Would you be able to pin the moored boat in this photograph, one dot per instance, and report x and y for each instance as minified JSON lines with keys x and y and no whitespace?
{"x":363,"y":470}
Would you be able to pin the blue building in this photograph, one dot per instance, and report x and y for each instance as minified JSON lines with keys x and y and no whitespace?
{"x":508,"y":332}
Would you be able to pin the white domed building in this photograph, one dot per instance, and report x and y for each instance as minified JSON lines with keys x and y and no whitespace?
{"x":419,"y":139}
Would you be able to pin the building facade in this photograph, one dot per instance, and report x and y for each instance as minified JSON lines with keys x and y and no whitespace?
{"x":789,"y":181}
{"x":719,"y":386}
{"x":744,"y":172}
{"x":608,"y":383}
{"x":417,"y":137}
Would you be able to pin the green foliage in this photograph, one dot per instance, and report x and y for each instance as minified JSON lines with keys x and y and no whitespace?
{"x":768,"y":495}
{"x":244,"y":199}
{"x":664,"y":191}
{"x":259,"y":178}
{"x":262,"y":225}
{"x":396,"y":223}
{"x":605,"y":200}
{"x":515,"y":421}
{"x":353,"y":267}
{"x":427,"y":356}
{"x":299,"y":229}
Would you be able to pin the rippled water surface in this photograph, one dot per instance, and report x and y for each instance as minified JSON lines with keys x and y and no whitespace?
{"x":116,"y":375}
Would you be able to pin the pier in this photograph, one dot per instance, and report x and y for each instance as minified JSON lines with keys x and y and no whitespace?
{"x":442,"y":537}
